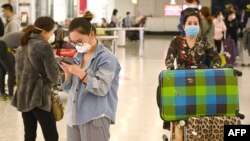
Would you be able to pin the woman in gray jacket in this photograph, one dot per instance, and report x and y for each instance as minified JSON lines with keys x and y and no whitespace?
{"x":36,"y":72}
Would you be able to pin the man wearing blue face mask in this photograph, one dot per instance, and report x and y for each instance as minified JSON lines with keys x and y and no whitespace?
{"x":191,"y":50}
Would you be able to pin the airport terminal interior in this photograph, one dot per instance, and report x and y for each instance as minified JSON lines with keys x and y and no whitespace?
{"x":138,"y":117}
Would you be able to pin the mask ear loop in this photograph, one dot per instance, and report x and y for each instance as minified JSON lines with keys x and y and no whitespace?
{"x":89,"y":34}
{"x":38,"y":28}
{"x":91,"y":30}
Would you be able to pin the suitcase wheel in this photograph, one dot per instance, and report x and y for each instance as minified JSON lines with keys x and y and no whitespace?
{"x":164,"y":137}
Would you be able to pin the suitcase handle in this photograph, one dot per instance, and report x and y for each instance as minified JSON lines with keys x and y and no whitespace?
{"x":194,"y":67}
{"x":236,"y":72}
{"x":238,"y":114}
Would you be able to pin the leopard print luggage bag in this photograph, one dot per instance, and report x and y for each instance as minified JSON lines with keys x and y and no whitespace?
{"x":208,"y":128}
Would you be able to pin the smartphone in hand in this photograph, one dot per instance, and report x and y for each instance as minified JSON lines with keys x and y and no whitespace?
{"x":66,"y":60}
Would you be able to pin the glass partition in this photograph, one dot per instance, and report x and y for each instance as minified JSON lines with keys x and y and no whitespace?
{"x":44,"y":8}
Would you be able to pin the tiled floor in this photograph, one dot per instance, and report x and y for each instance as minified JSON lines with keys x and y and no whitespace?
{"x":137,"y":115}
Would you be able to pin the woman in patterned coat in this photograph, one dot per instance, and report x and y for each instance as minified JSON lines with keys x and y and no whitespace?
{"x":191,"y":50}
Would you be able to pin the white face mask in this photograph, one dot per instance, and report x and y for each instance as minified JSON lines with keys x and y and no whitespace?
{"x":233,"y":16}
{"x":84,"y":48}
{"x":221,"y":17}
{"x":52,"y":38}
{"x":3,"y":15}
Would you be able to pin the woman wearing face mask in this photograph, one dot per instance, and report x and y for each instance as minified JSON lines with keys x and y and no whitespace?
{"x":91,"y":85}
{"x":36,"y":72}
{"x":232,"y":27}
{"x":219,"y":28}
{"x":191,"y":50}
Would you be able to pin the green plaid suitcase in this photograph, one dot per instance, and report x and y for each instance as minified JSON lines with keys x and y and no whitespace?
{"x":193,"y":93}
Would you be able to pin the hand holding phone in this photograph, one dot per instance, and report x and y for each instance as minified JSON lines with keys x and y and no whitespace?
{"x":69,"y":62}
{"x":66,"y":60}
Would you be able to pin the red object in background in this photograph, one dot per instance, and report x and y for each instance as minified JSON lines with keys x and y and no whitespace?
{"x":66,"y":52}
{"x":82,"y":6}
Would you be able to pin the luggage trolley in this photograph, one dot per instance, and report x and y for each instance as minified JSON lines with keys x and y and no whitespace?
{"x":198,"y":94}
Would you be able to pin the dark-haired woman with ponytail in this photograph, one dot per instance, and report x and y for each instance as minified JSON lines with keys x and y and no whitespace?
{"x":207,"y":26}
{"x":91,"y":84}
{"x":36,"y":72}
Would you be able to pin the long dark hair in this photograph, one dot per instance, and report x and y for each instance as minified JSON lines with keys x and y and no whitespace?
{"x":41,"y":23}
{"x":82,"y":24}
{"x":205,"y":11}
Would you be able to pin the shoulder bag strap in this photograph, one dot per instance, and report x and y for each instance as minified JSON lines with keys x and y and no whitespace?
{"x":34,"y":66}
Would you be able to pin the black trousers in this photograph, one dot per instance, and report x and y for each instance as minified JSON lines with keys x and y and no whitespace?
{"x":218,"y":45}
{"x":46,"y":121}
{"x":7,"y":65}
